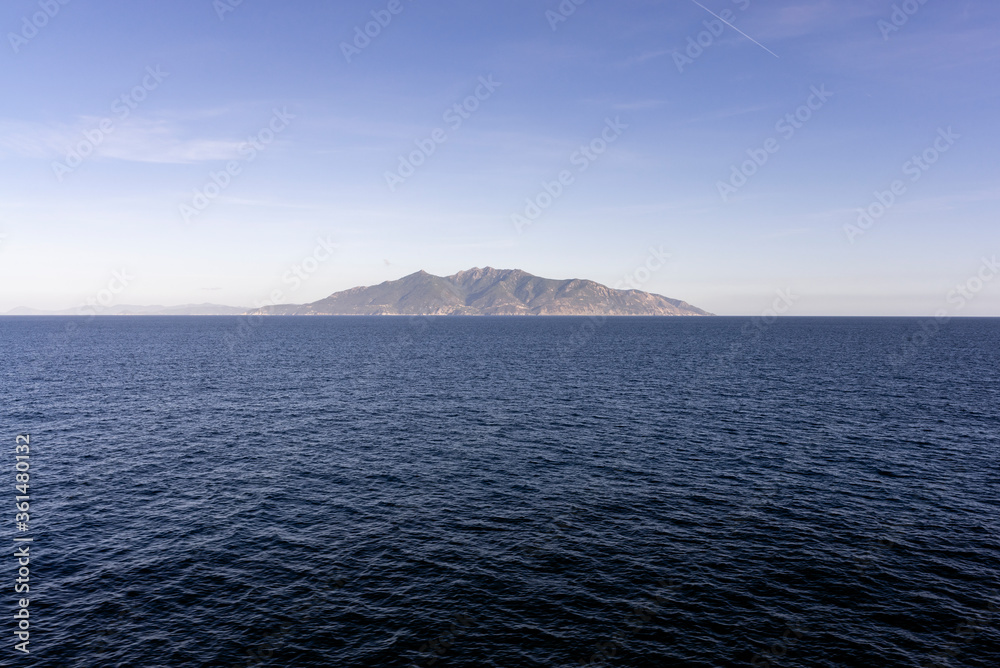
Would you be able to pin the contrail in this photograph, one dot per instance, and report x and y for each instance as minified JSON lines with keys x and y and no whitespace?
{"x":735,"y":28}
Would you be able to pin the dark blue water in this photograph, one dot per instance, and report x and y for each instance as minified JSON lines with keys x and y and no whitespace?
{"x":506,"y":492}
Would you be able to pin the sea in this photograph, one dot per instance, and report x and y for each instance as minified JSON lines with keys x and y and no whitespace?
{"x":501,"y":492}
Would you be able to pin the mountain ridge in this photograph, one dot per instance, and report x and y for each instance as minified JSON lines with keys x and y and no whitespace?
{"x":487,"y":291}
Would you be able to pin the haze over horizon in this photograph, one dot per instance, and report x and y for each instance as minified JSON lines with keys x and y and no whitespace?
{"x":208,"y":148}
{"x":475,"y":291}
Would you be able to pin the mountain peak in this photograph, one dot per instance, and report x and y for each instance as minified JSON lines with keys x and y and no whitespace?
{"x":478,"y":272}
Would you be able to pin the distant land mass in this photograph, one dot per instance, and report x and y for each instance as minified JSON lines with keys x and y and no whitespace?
{"x":487,"y":291}
{"x":131,"y":309}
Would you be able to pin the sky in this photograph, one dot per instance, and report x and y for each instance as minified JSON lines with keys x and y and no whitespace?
{"x":836,"y":156}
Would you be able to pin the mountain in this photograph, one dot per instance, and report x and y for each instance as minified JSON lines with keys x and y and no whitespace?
{"x":128,"y":309}
{"x":487,"y":291}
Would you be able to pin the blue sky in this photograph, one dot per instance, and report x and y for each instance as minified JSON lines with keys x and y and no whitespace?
{"x":162,"y":96}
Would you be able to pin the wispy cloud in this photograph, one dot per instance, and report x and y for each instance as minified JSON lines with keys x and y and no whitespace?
{"x":639,"y":105}
{"x":916,"y":206}
{"x":649,"y":55}
{"x":729,"y":113}
{"x":134,"y":140}
{"x":263,"y":203}
{"x":789,"y":232}
{"x":805,"y":18}
{"x":32,"y":140}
